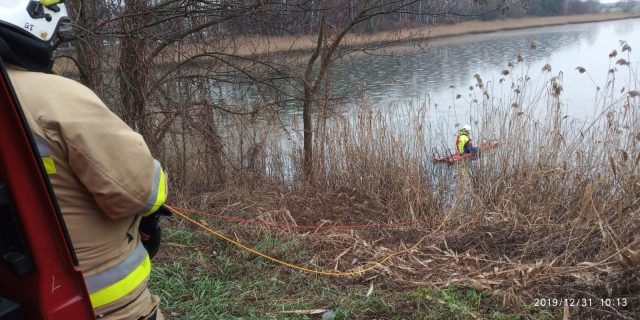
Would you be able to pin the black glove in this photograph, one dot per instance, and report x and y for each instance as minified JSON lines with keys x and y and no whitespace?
{"x":163,"y":211}
{"x":150,"y":231}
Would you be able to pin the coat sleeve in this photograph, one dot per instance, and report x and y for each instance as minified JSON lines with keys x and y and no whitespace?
{"x":110,"y":159}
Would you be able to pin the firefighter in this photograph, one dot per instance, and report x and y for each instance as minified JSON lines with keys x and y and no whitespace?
{"x":103,"y":175}
{"x":463,"y":141}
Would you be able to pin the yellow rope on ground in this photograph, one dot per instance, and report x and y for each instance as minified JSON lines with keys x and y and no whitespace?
{"x":290,"y":265}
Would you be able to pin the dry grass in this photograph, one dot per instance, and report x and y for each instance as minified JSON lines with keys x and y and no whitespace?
{"x":554,"y":213}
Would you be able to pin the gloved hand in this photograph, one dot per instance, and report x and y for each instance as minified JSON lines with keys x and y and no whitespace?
{"x":150,"y":231}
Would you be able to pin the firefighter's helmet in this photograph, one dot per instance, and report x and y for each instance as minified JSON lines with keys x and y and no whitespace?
{"x":40,"y":19}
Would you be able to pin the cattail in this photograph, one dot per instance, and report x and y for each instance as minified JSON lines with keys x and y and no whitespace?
{"x":519,"y":113}
{"x":479,"y":81}
{"x":634,"y":93}
{"x":622,"y":62}
{"x":546,"y":68}
{"x":557,"y":89}
{"x":581,"y":69}
{"x":613,"y":54}
{"x":505,"y":72}
{"x":514,"y":105}
{"x":533,"y":45}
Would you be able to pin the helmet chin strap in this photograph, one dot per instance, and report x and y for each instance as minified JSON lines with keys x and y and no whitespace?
{"x":25,"y":52}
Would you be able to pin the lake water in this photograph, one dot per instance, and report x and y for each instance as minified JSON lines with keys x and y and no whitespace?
{"x":406,"y":78}
{"x":447,"y":67}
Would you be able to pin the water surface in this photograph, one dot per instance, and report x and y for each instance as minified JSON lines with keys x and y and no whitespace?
{"x":447,"y":68}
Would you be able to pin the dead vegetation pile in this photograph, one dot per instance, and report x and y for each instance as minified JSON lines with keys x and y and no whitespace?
{"x":515,"y":261}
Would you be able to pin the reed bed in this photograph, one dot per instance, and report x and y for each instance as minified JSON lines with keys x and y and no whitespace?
{"x":554,"y":212}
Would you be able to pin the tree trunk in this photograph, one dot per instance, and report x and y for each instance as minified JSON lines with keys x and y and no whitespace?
{"x":134,"y":70}
{"x":310,"y":89}
{"x":89,"y":48}
{"x":308,"y":133}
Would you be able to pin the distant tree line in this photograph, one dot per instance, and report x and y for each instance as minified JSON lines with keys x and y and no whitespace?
{"x":287,"y":17}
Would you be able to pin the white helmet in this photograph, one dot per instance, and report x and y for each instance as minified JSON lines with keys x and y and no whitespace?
{"x":40,"y":19}
{"x":467,"y":128}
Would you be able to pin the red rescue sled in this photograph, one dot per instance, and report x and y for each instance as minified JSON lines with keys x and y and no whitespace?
{"x":455,"y":158}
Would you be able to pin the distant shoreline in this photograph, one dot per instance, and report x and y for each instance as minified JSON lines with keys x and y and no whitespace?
{"x":294,"y":47}
{"x":477,"y":27}
{"x":261,"y":46}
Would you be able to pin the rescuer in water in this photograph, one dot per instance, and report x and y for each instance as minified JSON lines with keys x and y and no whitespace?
{"x":108,"y":186}
{"x":463,"y":141}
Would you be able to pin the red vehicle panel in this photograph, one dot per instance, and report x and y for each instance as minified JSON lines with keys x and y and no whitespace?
{"x":38,"y":269}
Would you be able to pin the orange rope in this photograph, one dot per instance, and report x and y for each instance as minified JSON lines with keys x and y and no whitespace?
{"x":291,"y":265}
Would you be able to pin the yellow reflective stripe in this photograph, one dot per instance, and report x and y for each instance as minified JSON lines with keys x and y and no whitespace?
{"x":49,"y":2}
{"x":49,"y":165}
{"x":122,"y":287}
{"x":161,"y":194}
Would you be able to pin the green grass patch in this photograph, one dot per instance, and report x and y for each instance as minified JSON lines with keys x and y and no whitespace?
{"x":462,"y":303}
{"x":230,"y":284}
{"x":179,"y":236}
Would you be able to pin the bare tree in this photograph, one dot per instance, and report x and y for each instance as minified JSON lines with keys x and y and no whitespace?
{"x":153,"y":47}
{"x":331,"y":32}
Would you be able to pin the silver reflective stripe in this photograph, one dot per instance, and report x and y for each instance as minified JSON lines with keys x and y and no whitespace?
{"x":118,"y":272}
{"x":154,"y":189}
{"x":43,"y":146}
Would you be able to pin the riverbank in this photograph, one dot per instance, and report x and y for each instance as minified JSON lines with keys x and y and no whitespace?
{"x":475,"y":27}
{"x":259,"y":46}
{"x":293,"y":48}
{"x":486,"y":241}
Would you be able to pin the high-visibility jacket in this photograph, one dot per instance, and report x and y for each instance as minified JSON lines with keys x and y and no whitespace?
{"x":461,"y":140}
{"x":105,"y":180}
